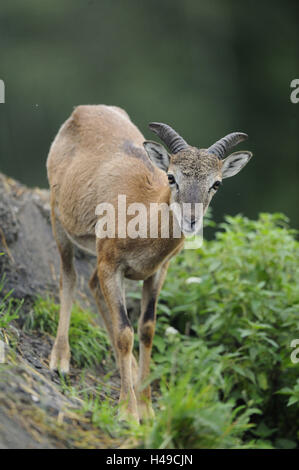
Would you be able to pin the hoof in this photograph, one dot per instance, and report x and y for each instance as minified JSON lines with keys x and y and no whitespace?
{"x":60,"y":360}
{"x":127,"y":416}
{"x":145,"y":411}
{"x":128,"y":411}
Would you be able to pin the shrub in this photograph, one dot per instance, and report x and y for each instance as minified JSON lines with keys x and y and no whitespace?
{"x":191,"y":413}
{"x":240,"y":293}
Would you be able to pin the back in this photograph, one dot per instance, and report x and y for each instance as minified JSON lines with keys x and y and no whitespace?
{"x":97,"y":154}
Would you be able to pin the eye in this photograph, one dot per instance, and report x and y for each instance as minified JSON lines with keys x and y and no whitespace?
{"x":171,"y":179}
{"x":216,"y":185}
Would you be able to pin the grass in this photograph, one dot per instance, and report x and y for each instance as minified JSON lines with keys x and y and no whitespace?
{"x":9,"y":307}
{"x":9,"y":311}
{"x":88,"y":342}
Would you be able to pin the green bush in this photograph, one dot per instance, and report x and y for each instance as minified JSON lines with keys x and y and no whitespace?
{"x":238,"y":296}
{"x":191,"y":413}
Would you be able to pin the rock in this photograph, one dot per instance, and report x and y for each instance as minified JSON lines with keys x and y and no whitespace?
{"x":34,"y":411}
{"x":30,"y":263}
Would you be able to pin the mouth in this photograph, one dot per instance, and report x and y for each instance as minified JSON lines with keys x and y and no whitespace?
{"x":191,"y":229}
{"x":188,"y":232}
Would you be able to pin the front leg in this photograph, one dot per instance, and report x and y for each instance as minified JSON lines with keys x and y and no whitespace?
{"x":112,"y":285}
{"x":146,"y":331}
{"x":95,"y":287}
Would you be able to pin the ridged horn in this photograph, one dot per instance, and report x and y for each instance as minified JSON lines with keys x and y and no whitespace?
{"x":222,"y":146}
{"x":169,"y":136}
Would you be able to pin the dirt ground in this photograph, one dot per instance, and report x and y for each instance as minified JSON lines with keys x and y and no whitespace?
{"x":35,"y":413}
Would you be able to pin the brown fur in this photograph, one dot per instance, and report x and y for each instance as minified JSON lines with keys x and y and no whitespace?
{"x":98,"y":154}
{"x":196,"y":162}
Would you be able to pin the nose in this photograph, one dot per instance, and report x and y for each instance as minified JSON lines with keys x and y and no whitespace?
{"x":192,"y":221}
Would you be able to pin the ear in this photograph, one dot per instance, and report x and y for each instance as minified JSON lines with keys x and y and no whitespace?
{"x":234,"y":163}
{"x":158,"y":154}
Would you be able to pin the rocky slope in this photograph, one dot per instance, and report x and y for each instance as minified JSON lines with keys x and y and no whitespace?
{"x":34,"y":413}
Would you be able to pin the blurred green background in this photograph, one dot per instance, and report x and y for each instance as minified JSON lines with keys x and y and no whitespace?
{"x":205,"y":67}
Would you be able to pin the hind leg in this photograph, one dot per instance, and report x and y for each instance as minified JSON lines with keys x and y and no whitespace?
{"x":60,"y":355}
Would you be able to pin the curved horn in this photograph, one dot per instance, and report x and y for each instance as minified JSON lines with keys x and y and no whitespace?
{"x":170,"y":137}
{"x":222,"y":146}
